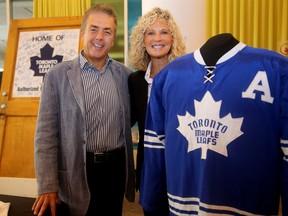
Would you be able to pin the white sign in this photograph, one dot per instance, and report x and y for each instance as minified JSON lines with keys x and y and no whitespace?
{"x":37,"y":52}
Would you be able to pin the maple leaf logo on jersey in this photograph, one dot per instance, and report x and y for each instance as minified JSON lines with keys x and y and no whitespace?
{"x":206,"y":130}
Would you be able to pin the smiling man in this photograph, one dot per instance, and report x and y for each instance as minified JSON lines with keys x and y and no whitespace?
{"x":83,"y":147}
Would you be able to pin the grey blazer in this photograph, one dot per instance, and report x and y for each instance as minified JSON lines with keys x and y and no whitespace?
{"x":60,"y":139}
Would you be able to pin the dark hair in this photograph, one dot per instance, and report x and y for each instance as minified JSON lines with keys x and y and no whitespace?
{"x":98,"y":8}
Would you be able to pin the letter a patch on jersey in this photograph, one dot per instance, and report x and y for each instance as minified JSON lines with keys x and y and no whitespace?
{"x":259,"y":83}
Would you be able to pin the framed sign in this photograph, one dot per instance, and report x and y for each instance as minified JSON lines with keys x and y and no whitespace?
{"x":40,"y":44}
{"x":33,"y":47}
{"x":37,"y":52}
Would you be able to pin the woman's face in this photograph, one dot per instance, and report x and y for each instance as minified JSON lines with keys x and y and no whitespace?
{"x":158,"y":40}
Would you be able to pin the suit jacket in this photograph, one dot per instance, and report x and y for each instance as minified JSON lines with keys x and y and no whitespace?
{"x":138,"y":88}
{"x":60,"y":139}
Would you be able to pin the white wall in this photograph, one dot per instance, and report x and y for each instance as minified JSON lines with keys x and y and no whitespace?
{"x":190,"y":16}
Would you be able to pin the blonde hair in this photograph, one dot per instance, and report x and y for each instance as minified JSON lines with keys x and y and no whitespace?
{"x":138,"y":56}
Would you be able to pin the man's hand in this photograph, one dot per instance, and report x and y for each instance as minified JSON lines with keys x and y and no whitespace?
{"x":44,"y":200}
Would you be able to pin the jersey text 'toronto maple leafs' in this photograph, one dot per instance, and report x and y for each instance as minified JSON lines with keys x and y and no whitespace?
{"x":206,"y":130}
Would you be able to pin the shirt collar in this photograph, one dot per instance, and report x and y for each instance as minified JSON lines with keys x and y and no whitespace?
{"x":84,"y":64}
{"x":232,"y":52}
{"x":147,"y":74}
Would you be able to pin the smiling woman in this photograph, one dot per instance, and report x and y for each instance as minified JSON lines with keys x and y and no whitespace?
{"x":154,"y":41}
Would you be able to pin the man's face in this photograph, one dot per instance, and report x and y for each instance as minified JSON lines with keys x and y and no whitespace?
{"x":98,"y":37}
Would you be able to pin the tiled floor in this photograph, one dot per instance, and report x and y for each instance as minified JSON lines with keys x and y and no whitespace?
{"x":132,"y":209}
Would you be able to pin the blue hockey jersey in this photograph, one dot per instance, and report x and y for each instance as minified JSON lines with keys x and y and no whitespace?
{"x":217,"y":144}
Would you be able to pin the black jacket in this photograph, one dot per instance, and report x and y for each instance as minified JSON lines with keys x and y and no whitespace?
{"x":138,"y":89}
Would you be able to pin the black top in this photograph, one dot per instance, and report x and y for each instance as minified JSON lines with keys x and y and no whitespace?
{"x":138,"y":89}
{"x":216,"y":47}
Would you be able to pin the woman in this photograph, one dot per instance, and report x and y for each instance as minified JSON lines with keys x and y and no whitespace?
{"x":154,"y":41}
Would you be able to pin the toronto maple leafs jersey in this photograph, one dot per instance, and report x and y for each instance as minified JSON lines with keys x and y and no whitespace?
{"x":216,"y":140}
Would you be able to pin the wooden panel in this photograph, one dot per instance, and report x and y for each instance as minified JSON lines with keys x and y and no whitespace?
{"x":2,"y":124}
{"x":17,"y":151}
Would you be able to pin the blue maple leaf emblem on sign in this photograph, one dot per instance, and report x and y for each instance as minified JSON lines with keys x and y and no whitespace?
{"x":41,"y":65}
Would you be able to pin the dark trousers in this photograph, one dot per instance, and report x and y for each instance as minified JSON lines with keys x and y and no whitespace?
{"x":106,"y":180}
{"x":162,"y":213}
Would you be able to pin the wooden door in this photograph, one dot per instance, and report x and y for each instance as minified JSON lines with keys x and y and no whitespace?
{"x":33,"y":46}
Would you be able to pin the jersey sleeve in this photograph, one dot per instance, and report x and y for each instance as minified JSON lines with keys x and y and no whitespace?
{"x":284,"y":136}
{"x":153,"y":193}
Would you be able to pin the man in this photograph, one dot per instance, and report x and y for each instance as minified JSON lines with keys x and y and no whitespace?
{"x":83,"y":148}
